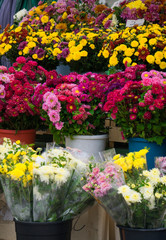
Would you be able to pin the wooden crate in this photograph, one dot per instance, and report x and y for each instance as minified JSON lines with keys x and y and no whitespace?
{"x":115,"y":134}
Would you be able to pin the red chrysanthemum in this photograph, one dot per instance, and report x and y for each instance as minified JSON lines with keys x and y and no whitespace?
{"x":70,"y":108}
{"x":143,"y":53}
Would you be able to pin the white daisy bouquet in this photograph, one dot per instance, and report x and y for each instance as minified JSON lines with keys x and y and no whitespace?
{"x":140,"y":199}
{"x":42,"y":187}
{"x":57,"y":186}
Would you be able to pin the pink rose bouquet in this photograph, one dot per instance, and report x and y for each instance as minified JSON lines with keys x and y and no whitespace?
{"x":139,"y":107}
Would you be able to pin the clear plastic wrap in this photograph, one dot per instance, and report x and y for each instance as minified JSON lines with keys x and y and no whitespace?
{"x":18,"y":198}
{"x":134,"y":197}
{"x":57,"y":186}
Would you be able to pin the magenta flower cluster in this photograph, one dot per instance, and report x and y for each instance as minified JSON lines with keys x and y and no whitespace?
{"x":100,"y":181}
{"x":19,"y":109}
{"x":139,"y":107}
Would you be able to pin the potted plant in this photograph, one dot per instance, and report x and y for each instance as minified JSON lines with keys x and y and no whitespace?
{"x":134,"y":197}
{"x":18,"y":113}
{"x":139,"y":109}
{"x":74,"y":107}
{"x":43,"y":192}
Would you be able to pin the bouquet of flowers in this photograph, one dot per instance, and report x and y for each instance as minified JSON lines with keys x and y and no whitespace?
{"x":42,"y":187}
{"x":140,"y":197}
{"x":17,"y":87}
{"x":151,"y":11}
{"x":139,"y":107}
{"x":136,"y":45}
{"x":74,"y":106}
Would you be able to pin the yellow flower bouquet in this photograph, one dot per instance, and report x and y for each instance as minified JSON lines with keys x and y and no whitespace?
{"x":42,"y":187}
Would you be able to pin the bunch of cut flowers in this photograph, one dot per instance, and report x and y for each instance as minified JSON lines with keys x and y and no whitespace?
{"x":75,"y":105}
{"x":139,"y":107}
{"x":43,"y":187}
{"x":140,"y":195}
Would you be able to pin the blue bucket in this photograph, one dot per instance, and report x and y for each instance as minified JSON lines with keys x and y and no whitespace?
{"x":155,"y":150}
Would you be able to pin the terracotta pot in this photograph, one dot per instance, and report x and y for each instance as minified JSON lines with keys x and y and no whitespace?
{"x":25,"y":136}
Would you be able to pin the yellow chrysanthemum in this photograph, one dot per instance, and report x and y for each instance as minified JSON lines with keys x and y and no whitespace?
{"x":152,"y":41}
{"x":138,"y":4}
{"x":127,"y":59}
{"x":44,"y":19}
{"x":105,"y":53}
{"x":129,"y":52}
{"x":158,"y":55}
{"x":150,"y":59}
{"x":134,"y":44}
{"x":113,"y":61}
{"x":163,"y":65}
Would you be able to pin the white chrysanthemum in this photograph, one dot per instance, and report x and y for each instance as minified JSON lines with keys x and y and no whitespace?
{"x":37,"y":194}
{"x":124,"y":189}
{"x":20,"y":14}
{"x":163,"y":180}
{"x":135,"y":197}
{"x":147,"y":191}
{"x":151,"y":204}
{"x":127,"y":198}
{"x":45,"y":173}
{"x":155,"y":172}
{"x":146,"y":173}
{"x":77,"y":164}
{"x":154,"y":179}
{"x":61,"y":176}
{"x":158,"y":195}
{"x":40,"y":160}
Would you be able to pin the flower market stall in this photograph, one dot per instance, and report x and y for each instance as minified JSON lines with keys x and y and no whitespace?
{"x":115,"y":68}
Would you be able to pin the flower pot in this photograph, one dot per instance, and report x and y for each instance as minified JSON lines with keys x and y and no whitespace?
{"x":88,"y":143}
{"x":143,"y":234}
{"x":43,"y":231}
{"x":25,"y":136}
{"x":63,"y":69}
{"x":155,"y":150}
